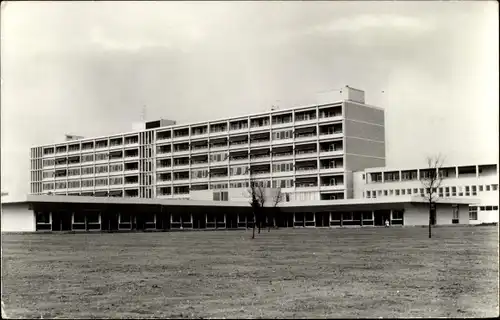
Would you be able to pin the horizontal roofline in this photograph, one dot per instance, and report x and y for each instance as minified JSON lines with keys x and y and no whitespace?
{"x":387,"y":169}
{"x":180,"y":126}
{"x":184,"y":202}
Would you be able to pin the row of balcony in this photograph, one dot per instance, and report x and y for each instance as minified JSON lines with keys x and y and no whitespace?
{"x":76,"y":161}
{"x":225,"y":127}
{"x":76,"y":147}
{"x":323,"y":185}
{"x":256,"y":123}
{"x":298,"y":134}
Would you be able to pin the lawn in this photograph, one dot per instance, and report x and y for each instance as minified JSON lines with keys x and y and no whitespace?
{"x":311,"y":273}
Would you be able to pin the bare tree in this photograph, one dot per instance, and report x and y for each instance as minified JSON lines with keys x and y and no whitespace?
{"x":277,"y":198}
{"x":431,"y":179}
{"x":257,"y":201}
{"x":259,"y":195}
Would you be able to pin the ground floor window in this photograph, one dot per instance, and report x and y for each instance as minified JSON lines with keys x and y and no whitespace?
{"x":43,"y":221}
{"x":397,"y":217}
{"x":455,"y":214}
{"x":93,"y":220}
{"x":43,"y":217}
{"x":472,"y":213}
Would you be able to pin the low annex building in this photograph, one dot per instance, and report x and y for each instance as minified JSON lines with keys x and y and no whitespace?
{"x":71,"y":213}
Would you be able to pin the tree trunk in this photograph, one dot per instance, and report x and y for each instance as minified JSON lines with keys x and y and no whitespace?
{"x":430,"y":219}
{"x":254,"y":222}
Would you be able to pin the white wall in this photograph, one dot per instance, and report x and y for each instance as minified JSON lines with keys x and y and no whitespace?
{"x":418,"y":214}
{"x":17,"y":218}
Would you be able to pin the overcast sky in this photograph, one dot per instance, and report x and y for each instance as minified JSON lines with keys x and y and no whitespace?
{"x":87,"y":68}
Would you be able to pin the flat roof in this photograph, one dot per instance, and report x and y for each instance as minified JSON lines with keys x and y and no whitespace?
{"x":387,"y":169}
{"x":184,"y":202}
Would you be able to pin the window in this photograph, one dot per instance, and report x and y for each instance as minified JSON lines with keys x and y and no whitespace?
{"x":409,"y":175}
{"x":347,"y":216}
{"x":495,"y":207}
{"x":101,"y":169}
{"x":116,"y":180}
{"x":87,"y":158}
{"x":93,"y":217}
{"x":487,"y":187}
{"x":48,"y":174}
{"x":481,"y":188}
{"x":367,"y":216}
{"x":283,"y":167}
{"x":48,"y":186}
{"x":61,"y":185}
{"x":116,"y":167}
{"x":415,"y":191}
{"x":403,"y":192}
{"x":467,"y":191}
{"x":288,"y":183}
{"x":215,"y":157}
{"x":220,"y":196}
{"x":397,"y":215}
{"x":374,"y":194}
{"x":391,"y":176}
{"x":455,"y":214}
{"x":482,"y":208}
{"x":376,"y":177}
{"x":280,"y":135}
{"x":385,"y":192}
{"x":101,"y":156}
{"x":101,"y":182}
{"x":237,"y":171}
{"x":74,"y":172}
{"x":489,"y":208}
{"x":198,"y":174}
{"x":474,"y":191}
{"x":453,"y":191}
{"x":42,"y":217}
{"x":78,"y":217}
{"x":473,"y":213}
{"x":494,"y":187}
{"x":368,"y":194}
{"x":74,"y":184}
{"x":87,"y":183}
{"x":87,"y":170}
{"x":48,"y":162}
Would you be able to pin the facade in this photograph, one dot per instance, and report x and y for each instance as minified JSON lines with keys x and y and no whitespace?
{"x":478,"y":182}
{"x":81,"y":213}
{"x":327,"y":159}
{"x":308,"y":151}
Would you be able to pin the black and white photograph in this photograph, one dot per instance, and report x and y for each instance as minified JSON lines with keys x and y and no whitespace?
{"x":249,"y":159}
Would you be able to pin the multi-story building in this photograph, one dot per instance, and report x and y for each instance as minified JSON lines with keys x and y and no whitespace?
{"x":478,"y":181}
{"x":307,"y":151}
{"x":328,"y":160}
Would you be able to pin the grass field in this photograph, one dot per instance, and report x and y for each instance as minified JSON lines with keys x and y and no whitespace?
{"x":362,"y":272}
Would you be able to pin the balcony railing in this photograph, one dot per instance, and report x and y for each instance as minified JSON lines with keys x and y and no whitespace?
{"x":285,"y":154}
{"x":306,"y":170}
{"x":323,"y":115}
{"x":199,"y":162}
{"x":306,"y":185}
